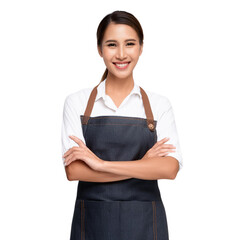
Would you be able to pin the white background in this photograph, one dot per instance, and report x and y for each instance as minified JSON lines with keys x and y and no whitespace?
{"x":191,"y":55}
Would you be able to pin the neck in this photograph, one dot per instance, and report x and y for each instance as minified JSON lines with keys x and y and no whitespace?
{"x":119,"y":86}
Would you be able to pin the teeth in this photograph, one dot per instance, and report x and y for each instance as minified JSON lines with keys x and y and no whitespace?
{"x":122,"y":65}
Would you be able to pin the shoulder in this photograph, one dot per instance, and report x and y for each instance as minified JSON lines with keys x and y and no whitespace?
{"x":158,"y":101}
{"x":78,"y":99}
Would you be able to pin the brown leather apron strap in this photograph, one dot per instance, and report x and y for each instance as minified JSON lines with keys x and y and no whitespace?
{"x":148,"y":110}
{"x":146,"y":104}
{"x":90,"y":104}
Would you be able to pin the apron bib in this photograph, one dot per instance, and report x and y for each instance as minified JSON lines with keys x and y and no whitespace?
{"x":130,"y":209}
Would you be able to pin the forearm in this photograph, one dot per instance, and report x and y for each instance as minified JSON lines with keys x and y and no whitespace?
{"x":146,"y":168}
{"x":79,"y":170}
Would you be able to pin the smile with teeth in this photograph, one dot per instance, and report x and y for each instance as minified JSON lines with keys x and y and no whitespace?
{"x":121,"y":65}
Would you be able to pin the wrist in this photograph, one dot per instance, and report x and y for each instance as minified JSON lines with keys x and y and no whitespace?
{"x":100,"y":165}
{"x":103,"y":166}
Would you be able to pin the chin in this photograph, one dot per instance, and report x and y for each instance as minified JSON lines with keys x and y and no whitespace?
{"x":122,"y":76}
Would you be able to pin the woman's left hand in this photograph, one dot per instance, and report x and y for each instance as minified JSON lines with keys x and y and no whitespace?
{"x":82,"y":153}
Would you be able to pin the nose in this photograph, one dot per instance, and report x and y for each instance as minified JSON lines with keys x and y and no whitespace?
{"x":121,"y":53}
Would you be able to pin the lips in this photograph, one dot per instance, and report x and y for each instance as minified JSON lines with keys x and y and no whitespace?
{"x":120,"y":62}
{"x":121,"y":65}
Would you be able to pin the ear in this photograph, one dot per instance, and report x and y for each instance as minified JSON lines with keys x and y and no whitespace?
{"x":99,"y":51}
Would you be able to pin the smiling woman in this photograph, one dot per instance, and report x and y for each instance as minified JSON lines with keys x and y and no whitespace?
{"x":118,"y":150}
{"x":119,"y":34}
{"x":120,"y":49}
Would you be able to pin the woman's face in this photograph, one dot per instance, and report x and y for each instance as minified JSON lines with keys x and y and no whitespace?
{"x":120,"y":49}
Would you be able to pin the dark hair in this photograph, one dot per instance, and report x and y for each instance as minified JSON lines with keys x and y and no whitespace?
{"x":118,"y":17}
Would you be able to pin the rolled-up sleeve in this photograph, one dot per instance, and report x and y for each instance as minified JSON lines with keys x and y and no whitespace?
{"x":166,"y":127}
{"x":71,"y":123}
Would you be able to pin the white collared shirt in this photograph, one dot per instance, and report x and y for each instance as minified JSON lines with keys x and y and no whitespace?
{"x":132,"y":106}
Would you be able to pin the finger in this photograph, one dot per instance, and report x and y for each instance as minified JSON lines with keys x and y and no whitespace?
{"x":67,"y":161}
{"x":160,"y":152}
{"x":77,"y":140}
{"x":69,"y":151}
{"x":72,"y":157}
{"x":160,"y":142}
{"x":166,"y":150}
{"x":77,"y":154}
{"x":163,"y":140}
{"x":164,"y":154}
{"x":169,"y":146}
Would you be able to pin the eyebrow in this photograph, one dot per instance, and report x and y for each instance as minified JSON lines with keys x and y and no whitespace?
{"x":131,"y":39}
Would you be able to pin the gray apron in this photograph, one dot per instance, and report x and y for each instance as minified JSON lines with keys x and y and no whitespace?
{"x":130,"y":209}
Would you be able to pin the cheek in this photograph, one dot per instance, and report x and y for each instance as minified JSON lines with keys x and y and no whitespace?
{"x":108,"y":54}
{"x":108,"y":62}
{"x":133,"y":53}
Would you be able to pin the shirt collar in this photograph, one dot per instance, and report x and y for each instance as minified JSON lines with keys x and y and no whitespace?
{"x":101,"y":90}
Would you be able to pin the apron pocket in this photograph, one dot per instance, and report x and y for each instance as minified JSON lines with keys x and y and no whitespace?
{"x":137,"y":220}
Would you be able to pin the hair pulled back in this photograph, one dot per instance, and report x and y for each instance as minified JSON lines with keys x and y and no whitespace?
{"x":118,"y":17}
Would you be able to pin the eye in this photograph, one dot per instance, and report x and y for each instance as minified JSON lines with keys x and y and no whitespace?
{"x":111,"y":44}
{"x":130,"y":43}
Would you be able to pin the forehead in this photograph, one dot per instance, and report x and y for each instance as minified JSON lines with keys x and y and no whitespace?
{"x":119,"y":32}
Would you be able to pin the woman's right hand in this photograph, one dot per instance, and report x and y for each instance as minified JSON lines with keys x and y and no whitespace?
{"x":160,"y":149}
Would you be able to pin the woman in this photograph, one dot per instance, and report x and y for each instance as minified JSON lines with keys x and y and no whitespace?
{"x":114,"y":143}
